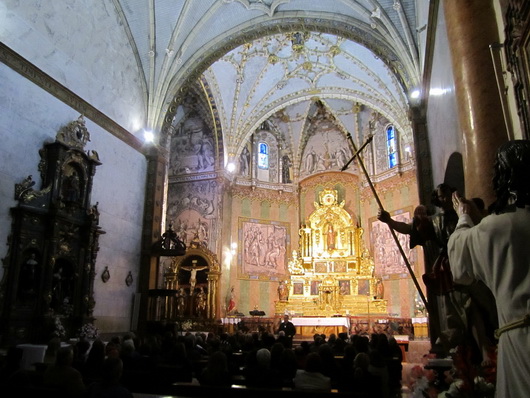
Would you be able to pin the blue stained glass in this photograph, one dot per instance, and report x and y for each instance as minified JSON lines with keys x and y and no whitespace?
{"x":263,"y":156}
{"x":391,"y":146}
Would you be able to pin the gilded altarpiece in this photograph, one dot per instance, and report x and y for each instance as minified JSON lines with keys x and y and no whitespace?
{"x":332,"y":273}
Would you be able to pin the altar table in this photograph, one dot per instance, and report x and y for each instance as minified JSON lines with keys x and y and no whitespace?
{"x":31,"y":354}
{"x":309,"y":326}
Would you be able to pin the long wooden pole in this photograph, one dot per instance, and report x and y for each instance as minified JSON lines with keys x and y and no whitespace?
{"x":407,"y":263}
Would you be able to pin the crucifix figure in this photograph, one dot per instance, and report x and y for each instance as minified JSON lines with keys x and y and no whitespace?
{"x":194,"y":268}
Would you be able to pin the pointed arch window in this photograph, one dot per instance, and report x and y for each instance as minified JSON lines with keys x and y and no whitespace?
{"x":391,"y":146}
{"x":263,"y":155}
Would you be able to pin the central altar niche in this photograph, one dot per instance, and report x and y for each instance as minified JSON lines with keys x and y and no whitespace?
{"x":332,"y":274}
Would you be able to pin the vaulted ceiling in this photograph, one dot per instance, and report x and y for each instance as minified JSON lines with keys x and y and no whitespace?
{"x":265,"y":59}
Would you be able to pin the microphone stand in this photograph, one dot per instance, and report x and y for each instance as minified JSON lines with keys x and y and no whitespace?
{"x":393,"y":233}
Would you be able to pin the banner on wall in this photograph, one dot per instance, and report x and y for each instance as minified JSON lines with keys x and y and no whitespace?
{"x":263,"y":247}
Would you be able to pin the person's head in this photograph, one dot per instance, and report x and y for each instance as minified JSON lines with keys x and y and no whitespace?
{"x":442,"y":197}
{"x":511,"y":170}
{"x":313,"y":362}
{"x":286,"y":318}
{"x":65,"y":356}
{"x":218,"y":362}
{"x":112,"y":369}
{"x":361,"y":360}
{"x":263,"y":358}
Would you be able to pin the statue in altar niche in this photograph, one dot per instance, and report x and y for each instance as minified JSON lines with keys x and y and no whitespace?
{"x":331,"y":273}
{"x":181,"y":302}
{"x":200,"y":302}
{"x":283,"y":291}
{"x":330,"y":237}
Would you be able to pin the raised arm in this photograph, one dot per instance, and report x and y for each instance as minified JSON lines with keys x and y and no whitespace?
{"x":401,"y":227}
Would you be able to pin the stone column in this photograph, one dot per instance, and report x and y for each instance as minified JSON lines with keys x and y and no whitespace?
{"x":471,"y":28}
{"x":157,"y":160}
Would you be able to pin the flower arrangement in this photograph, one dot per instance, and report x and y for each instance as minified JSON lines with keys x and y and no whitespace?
{"x":59,"y":330}
{"x":88,"y":331}
{"x":464,"y":380}
{"x":187,"y":325}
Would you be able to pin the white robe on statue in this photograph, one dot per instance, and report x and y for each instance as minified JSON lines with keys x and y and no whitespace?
{"x":497,"y":252}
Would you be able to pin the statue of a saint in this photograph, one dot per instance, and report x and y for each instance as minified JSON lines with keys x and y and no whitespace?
{"x":379,"y":289}
{"x":181,"y":302}
{"x":29,"y":275}
{"x":330,"y":237}
{"x":200,"y":300}
{"x":283,"y":291}
{"x":231,"y":304}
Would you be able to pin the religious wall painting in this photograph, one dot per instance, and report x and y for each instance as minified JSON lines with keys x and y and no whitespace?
{"x":321,"y":268}
{"x":344,"y":287}
{"x":298,"y":288}
{"x":389,"y":263}
{"x":326,"y":151}
{"x":191,"y":210}
{"x":263,"y":249}
{"x":190,"y":227}
{"x":314,"y":287}
{"x":363,"y":287}
{"x":339,"y":266}
{"x":192,"y":147}
{"x":244,"y":161}
{"x":201,"y":196}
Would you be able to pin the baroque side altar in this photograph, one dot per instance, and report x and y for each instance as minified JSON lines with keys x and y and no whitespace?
{"x":332,"y":274}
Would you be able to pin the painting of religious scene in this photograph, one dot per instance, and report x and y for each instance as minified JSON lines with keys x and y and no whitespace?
{"x":388,"y":260}
{"x":192,"y":147}
{"x":364,"y":287}
{"x":321,"y":268}
{"x":314,"y":288}
{"x":298,"y":288}
{"x":339,"y":266}
{"x":344,"y":288}
{"x":263,"y":248}
{"x":191,"y":211}
{"x":326,"y":151}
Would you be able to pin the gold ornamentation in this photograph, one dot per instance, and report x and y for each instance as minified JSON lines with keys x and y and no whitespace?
{"x":332,"y":273}
{"x":273,"y":59}
{"x":74,"y":134}
{"x":334,"y":50}
{"x":295,"y":265}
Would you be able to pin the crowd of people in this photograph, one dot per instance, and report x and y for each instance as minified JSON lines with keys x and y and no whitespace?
{"x":370,"y":364}
{"x":487,"y":250}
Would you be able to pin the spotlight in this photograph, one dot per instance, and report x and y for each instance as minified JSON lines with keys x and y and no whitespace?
{"x":415,"y":94}
{"x":231,"y":167}
{"x":149,"y":136}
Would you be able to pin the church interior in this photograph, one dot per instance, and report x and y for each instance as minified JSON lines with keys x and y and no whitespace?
{"x":211,"y":166}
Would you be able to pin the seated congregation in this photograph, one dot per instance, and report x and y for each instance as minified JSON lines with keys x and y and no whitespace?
{"x":200,"y":364}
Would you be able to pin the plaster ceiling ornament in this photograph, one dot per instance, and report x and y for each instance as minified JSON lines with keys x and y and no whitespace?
{"x":266,"y":6}
{"x":281,"y":52}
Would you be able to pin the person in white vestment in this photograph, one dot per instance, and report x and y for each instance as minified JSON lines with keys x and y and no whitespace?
{"x":495,"y":251}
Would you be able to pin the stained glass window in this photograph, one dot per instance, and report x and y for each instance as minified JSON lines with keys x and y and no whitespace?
{"x":391,"y":145}
{"x":263,"y":155}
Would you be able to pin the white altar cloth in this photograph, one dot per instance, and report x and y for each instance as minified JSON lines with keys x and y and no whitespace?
{"x":333,"y":321}
{"x":31,"y":354}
